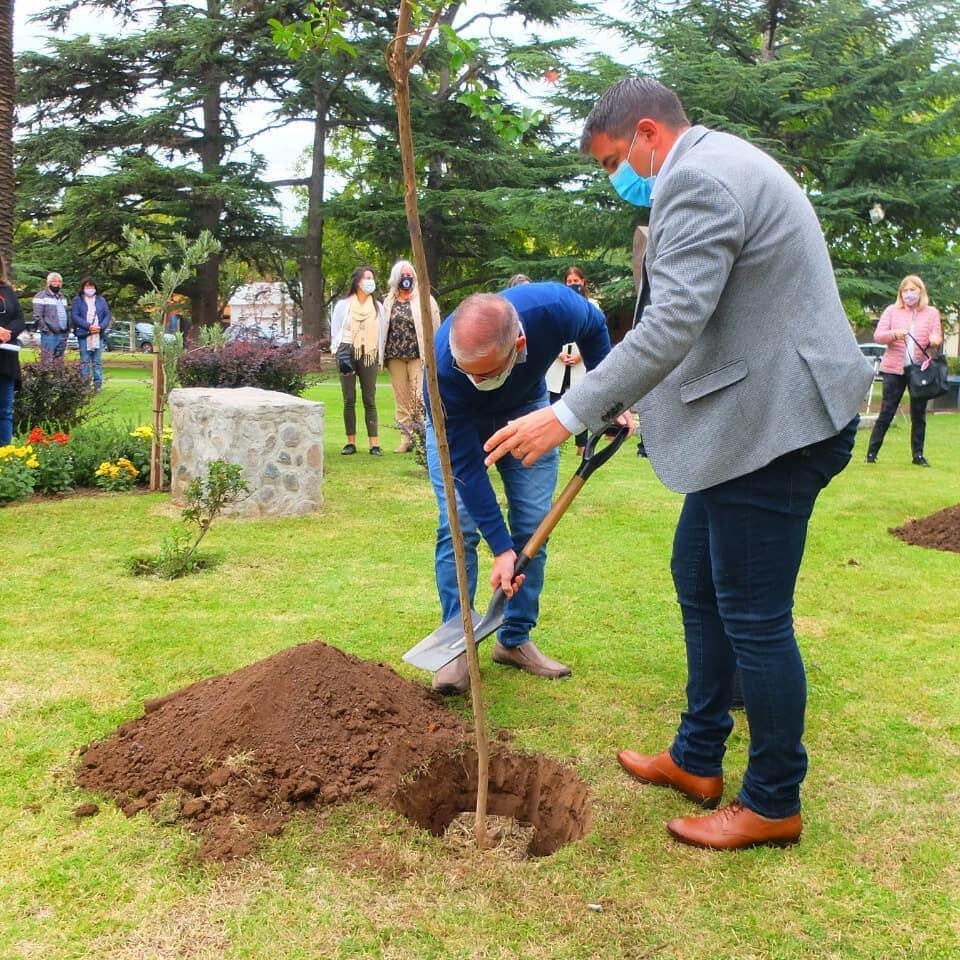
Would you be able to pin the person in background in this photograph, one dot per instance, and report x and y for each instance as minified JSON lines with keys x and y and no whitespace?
{"x":492,"y":353}
{"x":748,"y":380}
{"x":568,"y":368}
{"x":11,"y":326}
{"x":51,"y":314}
{"x":358,"y":323}
{"x":907,"y":327}
{"x":403,"y":347}
{"x":90,"y":316}
{"x":517,"y":279}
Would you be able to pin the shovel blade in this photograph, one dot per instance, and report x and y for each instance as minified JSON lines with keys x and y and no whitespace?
{"x":448,"y":641}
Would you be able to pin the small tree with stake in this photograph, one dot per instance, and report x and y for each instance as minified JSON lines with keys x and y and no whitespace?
{"x":143,"y":254}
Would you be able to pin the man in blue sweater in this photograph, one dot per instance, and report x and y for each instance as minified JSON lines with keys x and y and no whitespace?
{"x":492,"y":354}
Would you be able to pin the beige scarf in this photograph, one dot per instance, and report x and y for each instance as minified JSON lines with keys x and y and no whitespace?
{"x":364,"y":331}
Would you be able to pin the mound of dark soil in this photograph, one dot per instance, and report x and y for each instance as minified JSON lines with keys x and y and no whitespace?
{"x":234,"y":756}
{"x":940,"y":530}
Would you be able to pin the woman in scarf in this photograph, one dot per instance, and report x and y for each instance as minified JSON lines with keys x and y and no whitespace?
{"x":91,"y":318}
{"x":403,"y":349}
{"x":357,"y":333}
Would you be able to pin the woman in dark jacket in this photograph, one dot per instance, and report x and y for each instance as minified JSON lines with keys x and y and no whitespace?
{"x":90,"y":316}
{"x":11,"y":326}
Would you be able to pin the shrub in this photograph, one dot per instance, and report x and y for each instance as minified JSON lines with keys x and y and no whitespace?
{"x":119,"y":475}
{"x":17,"y":477}
{"x":247,"y":364}
{"x":206,"y":498}
{"x":54,"y":472}
{"x":52,"y":395}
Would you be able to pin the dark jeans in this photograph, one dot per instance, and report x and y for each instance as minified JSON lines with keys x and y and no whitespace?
{"x":893,"y":386}
{"x":736,"y":555}
{"x":6,"y":410}
{"x":368,"y":390}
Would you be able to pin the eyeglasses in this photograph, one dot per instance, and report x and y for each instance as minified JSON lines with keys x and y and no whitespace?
{"x":480,"y":377}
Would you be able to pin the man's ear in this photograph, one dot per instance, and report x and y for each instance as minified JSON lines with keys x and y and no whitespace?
{"x":521,"y":342}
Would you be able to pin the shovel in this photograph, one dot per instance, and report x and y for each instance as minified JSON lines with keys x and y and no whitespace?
{"x":449,"y":640}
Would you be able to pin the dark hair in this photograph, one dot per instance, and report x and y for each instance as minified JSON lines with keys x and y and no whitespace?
{"x":578,"y":273}
{"x":355,"y":279}
{"x":620,"y":107}
{"x":88,"y":282}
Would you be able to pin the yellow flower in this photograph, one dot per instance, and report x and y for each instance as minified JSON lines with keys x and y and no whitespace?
{"x":33,"y":462}
{"x":143,"y":433}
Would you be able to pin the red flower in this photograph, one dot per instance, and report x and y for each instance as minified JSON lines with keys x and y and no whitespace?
{"x":37,"y":436}
{"x":60,"y":437}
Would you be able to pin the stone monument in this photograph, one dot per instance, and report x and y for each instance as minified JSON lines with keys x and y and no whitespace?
{"x":277,"y":439}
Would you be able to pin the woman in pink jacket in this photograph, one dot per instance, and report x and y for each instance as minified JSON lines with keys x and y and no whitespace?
{"x":907,"y":328}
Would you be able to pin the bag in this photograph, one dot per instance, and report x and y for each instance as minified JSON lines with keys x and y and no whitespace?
{"x":929,"y":381}
{"x":344,"y":358}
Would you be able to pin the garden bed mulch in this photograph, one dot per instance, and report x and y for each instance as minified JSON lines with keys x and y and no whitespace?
{"x":939,"y":531}
{"x":233,"y":757}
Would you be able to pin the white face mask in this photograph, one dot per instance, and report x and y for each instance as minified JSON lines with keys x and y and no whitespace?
{"x":494,"y":383}
{"x":89,"y":291}
{"x":368,"y":286}
{"x":911,"y":297}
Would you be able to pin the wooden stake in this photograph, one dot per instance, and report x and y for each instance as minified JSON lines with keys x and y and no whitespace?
{"x":400,"y":66}
{"x":156,"y":445}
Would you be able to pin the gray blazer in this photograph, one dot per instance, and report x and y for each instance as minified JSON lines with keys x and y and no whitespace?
{"x":744,"y":352}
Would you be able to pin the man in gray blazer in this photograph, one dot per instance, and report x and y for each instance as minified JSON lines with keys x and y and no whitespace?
{"x":748,"y":381}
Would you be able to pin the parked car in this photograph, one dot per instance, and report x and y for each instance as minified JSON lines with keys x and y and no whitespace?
{"x":117,"y":336}
{"x":145,"y":337}
{"x":874,"y":353}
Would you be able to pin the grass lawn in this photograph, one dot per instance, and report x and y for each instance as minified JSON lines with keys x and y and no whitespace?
{"x":82,"y":644}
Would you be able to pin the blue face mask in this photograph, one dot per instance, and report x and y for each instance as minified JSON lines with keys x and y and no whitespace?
{"x":629,"y":184}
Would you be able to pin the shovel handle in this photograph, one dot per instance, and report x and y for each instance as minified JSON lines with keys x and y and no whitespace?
{"x":592,"y":460}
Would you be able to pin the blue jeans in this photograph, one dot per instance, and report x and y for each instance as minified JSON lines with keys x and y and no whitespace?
{"x":529,"y":495}
{"x":736,"y":556}
{"x":92,"y":358}
{"x":52,"y":346}
{"x":6,"y":410}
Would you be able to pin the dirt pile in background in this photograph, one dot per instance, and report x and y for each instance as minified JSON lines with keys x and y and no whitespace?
{"x":940,"y":531}
{"x":234,"y":756}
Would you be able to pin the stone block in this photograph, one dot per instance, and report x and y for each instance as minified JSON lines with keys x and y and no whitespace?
{"x":275,"y":437}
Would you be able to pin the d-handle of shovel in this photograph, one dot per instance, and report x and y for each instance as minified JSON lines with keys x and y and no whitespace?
{"x":594,"y":458}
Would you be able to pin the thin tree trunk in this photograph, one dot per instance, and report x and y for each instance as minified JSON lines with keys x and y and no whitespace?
{"x":400,"y":67}
{"x":7,"y":104}
{"x":206,"y":301}
{"x":311,"y":258}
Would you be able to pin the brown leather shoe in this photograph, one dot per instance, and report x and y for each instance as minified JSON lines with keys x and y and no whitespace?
{"x":735,"y":827}
{"x":452,"y":678}
{"x":661,"y":771}
{"x":528,"y":657}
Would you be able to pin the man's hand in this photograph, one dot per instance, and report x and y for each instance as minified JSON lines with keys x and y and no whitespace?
{"x":502,"y":573}
{"x":528,"y":438}
{"x":4,"y":335}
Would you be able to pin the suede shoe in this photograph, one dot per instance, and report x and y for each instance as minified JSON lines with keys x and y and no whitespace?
{"x":452,"y":678}
{"x":661,"y":771}
{"x":527,"y":657}
{"x":736,"y":827}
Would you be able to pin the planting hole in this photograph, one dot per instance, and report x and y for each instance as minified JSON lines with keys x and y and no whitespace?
{"x":533,"y":790}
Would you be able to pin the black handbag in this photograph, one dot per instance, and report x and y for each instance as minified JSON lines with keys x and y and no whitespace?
{"x":929,"y":381}
{"x":344,"y":358}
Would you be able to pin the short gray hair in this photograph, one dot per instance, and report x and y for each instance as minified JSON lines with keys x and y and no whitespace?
{"x":620,"y":107}
{"x":483,"y":322}
{"x":394,"y":281}
{"x":53,"y":276}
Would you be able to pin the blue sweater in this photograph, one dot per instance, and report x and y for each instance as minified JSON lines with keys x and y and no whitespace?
{"x":552,"y":315}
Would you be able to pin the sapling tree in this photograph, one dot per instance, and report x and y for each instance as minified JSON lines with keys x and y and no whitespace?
{"x":144,"y":255}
